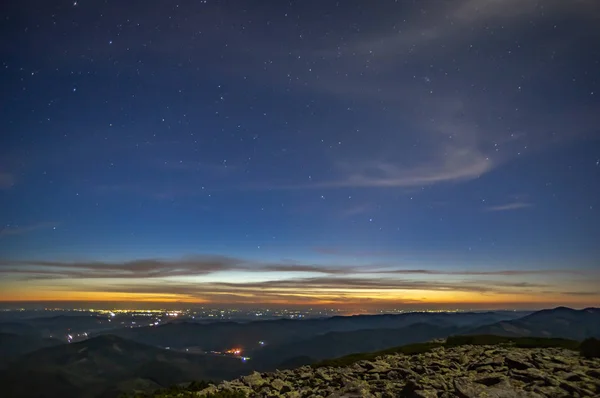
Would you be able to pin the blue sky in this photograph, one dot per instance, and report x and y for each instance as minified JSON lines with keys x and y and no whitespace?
{"x":459,"y":137}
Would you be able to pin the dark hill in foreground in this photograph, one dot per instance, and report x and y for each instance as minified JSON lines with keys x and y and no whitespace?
{"x":336,"y":344}
{"x":106,"y":365}
{"x":461,"y":367}
{"x":13,"y":346}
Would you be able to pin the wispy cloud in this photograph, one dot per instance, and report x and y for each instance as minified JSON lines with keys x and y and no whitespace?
{"x":297,"y":292}
{"x":21,"y":230}
{"x":156,"y":268}
{"x":440,"y":125}
{"x":355,"y":210}
{"x":451,"y":164}
{"x":449,"y":124}
{"x":458,"y":164}
{"x":330,"y":283}
{"x":302,"y":286}
{"x":581,"y":293}
{"x":495,"y":272}
{"x":509,"y":206}
{"x":221,"y":279}
{"x":206,"y":265}
{"x":143,"y":268}
{"x":342,"y":290}
{"x":461,"y":14}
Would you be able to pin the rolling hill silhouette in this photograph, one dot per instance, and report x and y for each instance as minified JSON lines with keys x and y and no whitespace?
{"x":560,"y":322}
{"x":101,"y":365}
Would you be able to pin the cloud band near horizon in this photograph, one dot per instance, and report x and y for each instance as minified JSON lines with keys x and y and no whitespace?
{"x":222,"y":279}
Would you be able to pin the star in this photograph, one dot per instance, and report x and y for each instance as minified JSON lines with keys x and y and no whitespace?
{"x":424,"y":124}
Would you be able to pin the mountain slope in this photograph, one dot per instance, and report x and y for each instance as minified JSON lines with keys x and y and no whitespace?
{"x":13,"y":345}
{"x":467,"y":371}
{"x":19,"y":328}
{"x":224,"y":335}
{"x":558,"y":322}
{"x":58,"y":326}
{"x":90,"y":368}
{"x":336,"y":344}
{"x":105,"y":365}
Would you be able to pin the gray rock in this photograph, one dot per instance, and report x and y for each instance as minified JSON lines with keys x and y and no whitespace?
{"x":573,"y":376}
{"x":490,"y":379}
{"x":254,"y":380}
{"x":278,"y":384}
{"x":488,"y":362}
{"x":573,"y":389}
{"x":465,"y":388}
{"x":595,"y":373}
{"x":406,"y":373}
{"x":514,"y":362}
{"x":491,"y":372}
{"x":392,"y":375}
{"x":425,"y":394}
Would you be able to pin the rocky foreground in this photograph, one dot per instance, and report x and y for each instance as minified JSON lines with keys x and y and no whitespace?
{"x":465,"y":371}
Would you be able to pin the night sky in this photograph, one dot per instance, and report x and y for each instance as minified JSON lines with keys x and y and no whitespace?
{"x":351,"y":153}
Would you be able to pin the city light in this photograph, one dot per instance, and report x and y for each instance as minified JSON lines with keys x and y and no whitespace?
{"x":234,"y":351}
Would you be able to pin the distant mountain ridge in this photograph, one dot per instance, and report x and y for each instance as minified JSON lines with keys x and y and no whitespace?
{"x":561,"y":322}
{"x":13,"y":346}
{"x":223,"y":335}
{"x":107,"y":364}
{"x":96,"y":367}
{"x":58,"y":325}
{"x":336,"y":344}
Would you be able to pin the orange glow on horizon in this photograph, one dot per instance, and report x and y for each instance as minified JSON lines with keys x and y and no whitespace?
{"x":360,"y":299}
{"x":334,"y":295}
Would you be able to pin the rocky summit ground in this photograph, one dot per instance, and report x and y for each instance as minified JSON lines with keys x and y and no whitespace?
{"x":464,"y":371}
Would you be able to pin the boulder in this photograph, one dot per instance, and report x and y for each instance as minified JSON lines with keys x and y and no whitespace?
{"x":466,"y":388}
